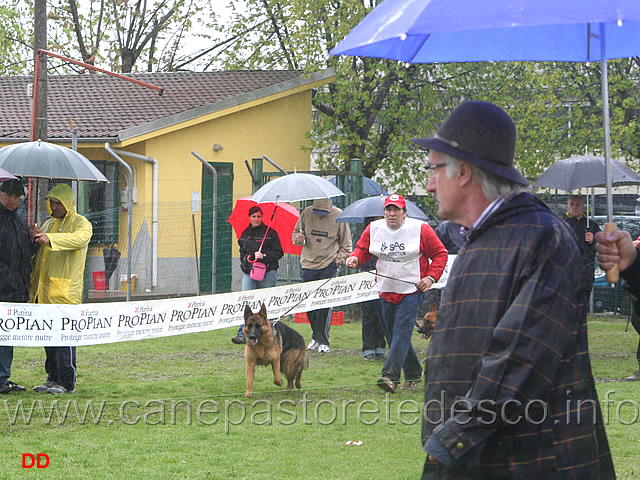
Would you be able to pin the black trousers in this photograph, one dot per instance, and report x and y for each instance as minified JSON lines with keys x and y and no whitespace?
{"x":372,"y":332}
{"x":635,"y":321}
{"x":320,"y":320}
{"x":60,"y":366}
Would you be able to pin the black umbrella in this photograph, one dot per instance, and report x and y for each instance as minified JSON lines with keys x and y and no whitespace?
{"x":111,"y":256}
{"x":585,"y":171}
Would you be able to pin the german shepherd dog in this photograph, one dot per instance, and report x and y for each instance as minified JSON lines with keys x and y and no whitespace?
{"x":277,"y":345}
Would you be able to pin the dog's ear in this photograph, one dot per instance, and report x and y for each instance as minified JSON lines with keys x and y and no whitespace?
{"x":247,"y":312}
{"x":263,"y":310}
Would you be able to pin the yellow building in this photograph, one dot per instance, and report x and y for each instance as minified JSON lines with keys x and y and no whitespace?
{"x":143,"y":143}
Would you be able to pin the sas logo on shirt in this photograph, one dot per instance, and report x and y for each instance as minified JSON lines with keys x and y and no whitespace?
{"x":393,"y":247}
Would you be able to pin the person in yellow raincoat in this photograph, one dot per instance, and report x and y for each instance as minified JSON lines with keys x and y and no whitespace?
{"x":58,"y":275}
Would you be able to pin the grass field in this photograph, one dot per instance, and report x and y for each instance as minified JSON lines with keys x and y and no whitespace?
{"x":172,"y":408}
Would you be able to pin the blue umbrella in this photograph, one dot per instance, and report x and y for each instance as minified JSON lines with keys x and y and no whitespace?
{"x":368,"y":207}
{"x":371,"y":187}
{"x":425,"y":31}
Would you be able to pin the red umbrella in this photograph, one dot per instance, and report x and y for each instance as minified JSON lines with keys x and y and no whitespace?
{"x":283,"y":221}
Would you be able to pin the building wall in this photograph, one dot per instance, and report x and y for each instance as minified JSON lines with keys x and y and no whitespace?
{"x":277,"y":129}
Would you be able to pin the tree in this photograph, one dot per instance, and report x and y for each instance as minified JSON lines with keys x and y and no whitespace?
{"x":124,"y":32}
{"x":374,"y":106}
{"x":16,"y":44}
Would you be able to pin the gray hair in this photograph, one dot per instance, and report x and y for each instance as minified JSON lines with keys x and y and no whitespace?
{"x":492,"y":185}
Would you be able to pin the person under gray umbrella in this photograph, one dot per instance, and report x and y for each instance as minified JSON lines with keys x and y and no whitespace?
{"x":325,"y":245}
{"x":585,"y":230}
{"x":16,"y":249}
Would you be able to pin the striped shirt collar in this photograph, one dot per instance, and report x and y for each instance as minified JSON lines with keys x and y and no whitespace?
{"x":491,"y":209}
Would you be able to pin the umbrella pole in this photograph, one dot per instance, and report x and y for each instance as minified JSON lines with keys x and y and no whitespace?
{"x":613,"y":274}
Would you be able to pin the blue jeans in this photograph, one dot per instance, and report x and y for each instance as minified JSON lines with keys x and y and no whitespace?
{"x":248,"y":283}
{"x":399,"y":320}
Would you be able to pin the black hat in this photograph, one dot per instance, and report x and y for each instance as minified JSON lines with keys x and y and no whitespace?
{"x":480,"y":133}
{"x":12,"y":187}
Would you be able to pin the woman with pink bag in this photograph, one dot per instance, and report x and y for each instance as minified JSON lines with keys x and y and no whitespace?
{"x":260,"y":250}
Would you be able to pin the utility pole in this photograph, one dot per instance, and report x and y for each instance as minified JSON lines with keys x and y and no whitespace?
{"x":40,"y":42}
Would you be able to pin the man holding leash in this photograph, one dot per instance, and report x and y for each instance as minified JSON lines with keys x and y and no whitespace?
{"x":509,"y":389}
{"x":411,"y":258}
{"x":58,"y":275}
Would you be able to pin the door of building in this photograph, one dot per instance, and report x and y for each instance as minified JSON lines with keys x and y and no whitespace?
{"x":224,"y":204}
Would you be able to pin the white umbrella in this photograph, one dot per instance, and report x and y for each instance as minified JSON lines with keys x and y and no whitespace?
{"x":48,"y":160}
{"x":296,"y":187}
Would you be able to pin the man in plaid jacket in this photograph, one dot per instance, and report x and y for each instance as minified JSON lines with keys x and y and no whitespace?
{"x":509,"y":391}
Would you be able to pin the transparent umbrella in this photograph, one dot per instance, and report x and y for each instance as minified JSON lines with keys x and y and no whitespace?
{"x":48,"y":160}
{"x":296,"y":187}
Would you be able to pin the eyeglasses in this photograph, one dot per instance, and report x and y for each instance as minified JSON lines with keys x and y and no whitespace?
{"x":431,"y":169}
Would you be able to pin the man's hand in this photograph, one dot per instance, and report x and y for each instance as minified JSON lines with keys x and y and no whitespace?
{"x":352,"y":262}
{"x":42,"y":238}
{"x":299,"y":239}
{"x":588,"y":237}
{"x":424,"y":284}
{"x":615,"y":248}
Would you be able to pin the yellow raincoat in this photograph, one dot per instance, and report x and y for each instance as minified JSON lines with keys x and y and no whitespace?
{"x":58,"y":269}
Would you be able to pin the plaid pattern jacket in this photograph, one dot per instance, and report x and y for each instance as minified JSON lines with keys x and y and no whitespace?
{"x":509,"y":390}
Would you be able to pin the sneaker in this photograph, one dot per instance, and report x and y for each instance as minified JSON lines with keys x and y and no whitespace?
{"x":239,"y":340}
{"x":411,"y":385}
{"x":324,"y":349}
{"x":58,"y":389}
{"x":380,"y":356}
{"x":372,"y":357}
{"x":634,"y":378}
{"x":387,"y":384}
{"x":45,"y":386}
{"x":313,"y":345}
{"x":11,"y":387}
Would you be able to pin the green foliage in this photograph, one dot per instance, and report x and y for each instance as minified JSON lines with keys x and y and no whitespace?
{"x":16,"y":38}
{"x":375,"y":106}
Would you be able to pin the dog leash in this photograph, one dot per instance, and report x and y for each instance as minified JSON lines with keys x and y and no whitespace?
{"x":373,"y":272}
{"x":340,"y":268}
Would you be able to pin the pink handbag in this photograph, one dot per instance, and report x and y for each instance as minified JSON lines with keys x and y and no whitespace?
{"x":257,"y":271}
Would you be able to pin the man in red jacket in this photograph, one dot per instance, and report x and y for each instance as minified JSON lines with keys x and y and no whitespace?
{"x":411,"y":258}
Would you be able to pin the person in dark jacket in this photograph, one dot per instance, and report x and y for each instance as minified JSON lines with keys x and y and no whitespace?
{"x":450,"y":236}
{"x":258,"y":244}
{"x":585,"y":229}
{"x":16,"y":249}
{"x":619,"y":249}
{"x":509,"y":390}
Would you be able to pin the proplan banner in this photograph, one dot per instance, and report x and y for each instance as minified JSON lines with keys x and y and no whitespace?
{"x":30,"y":325}
{"x":36,"y":325}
